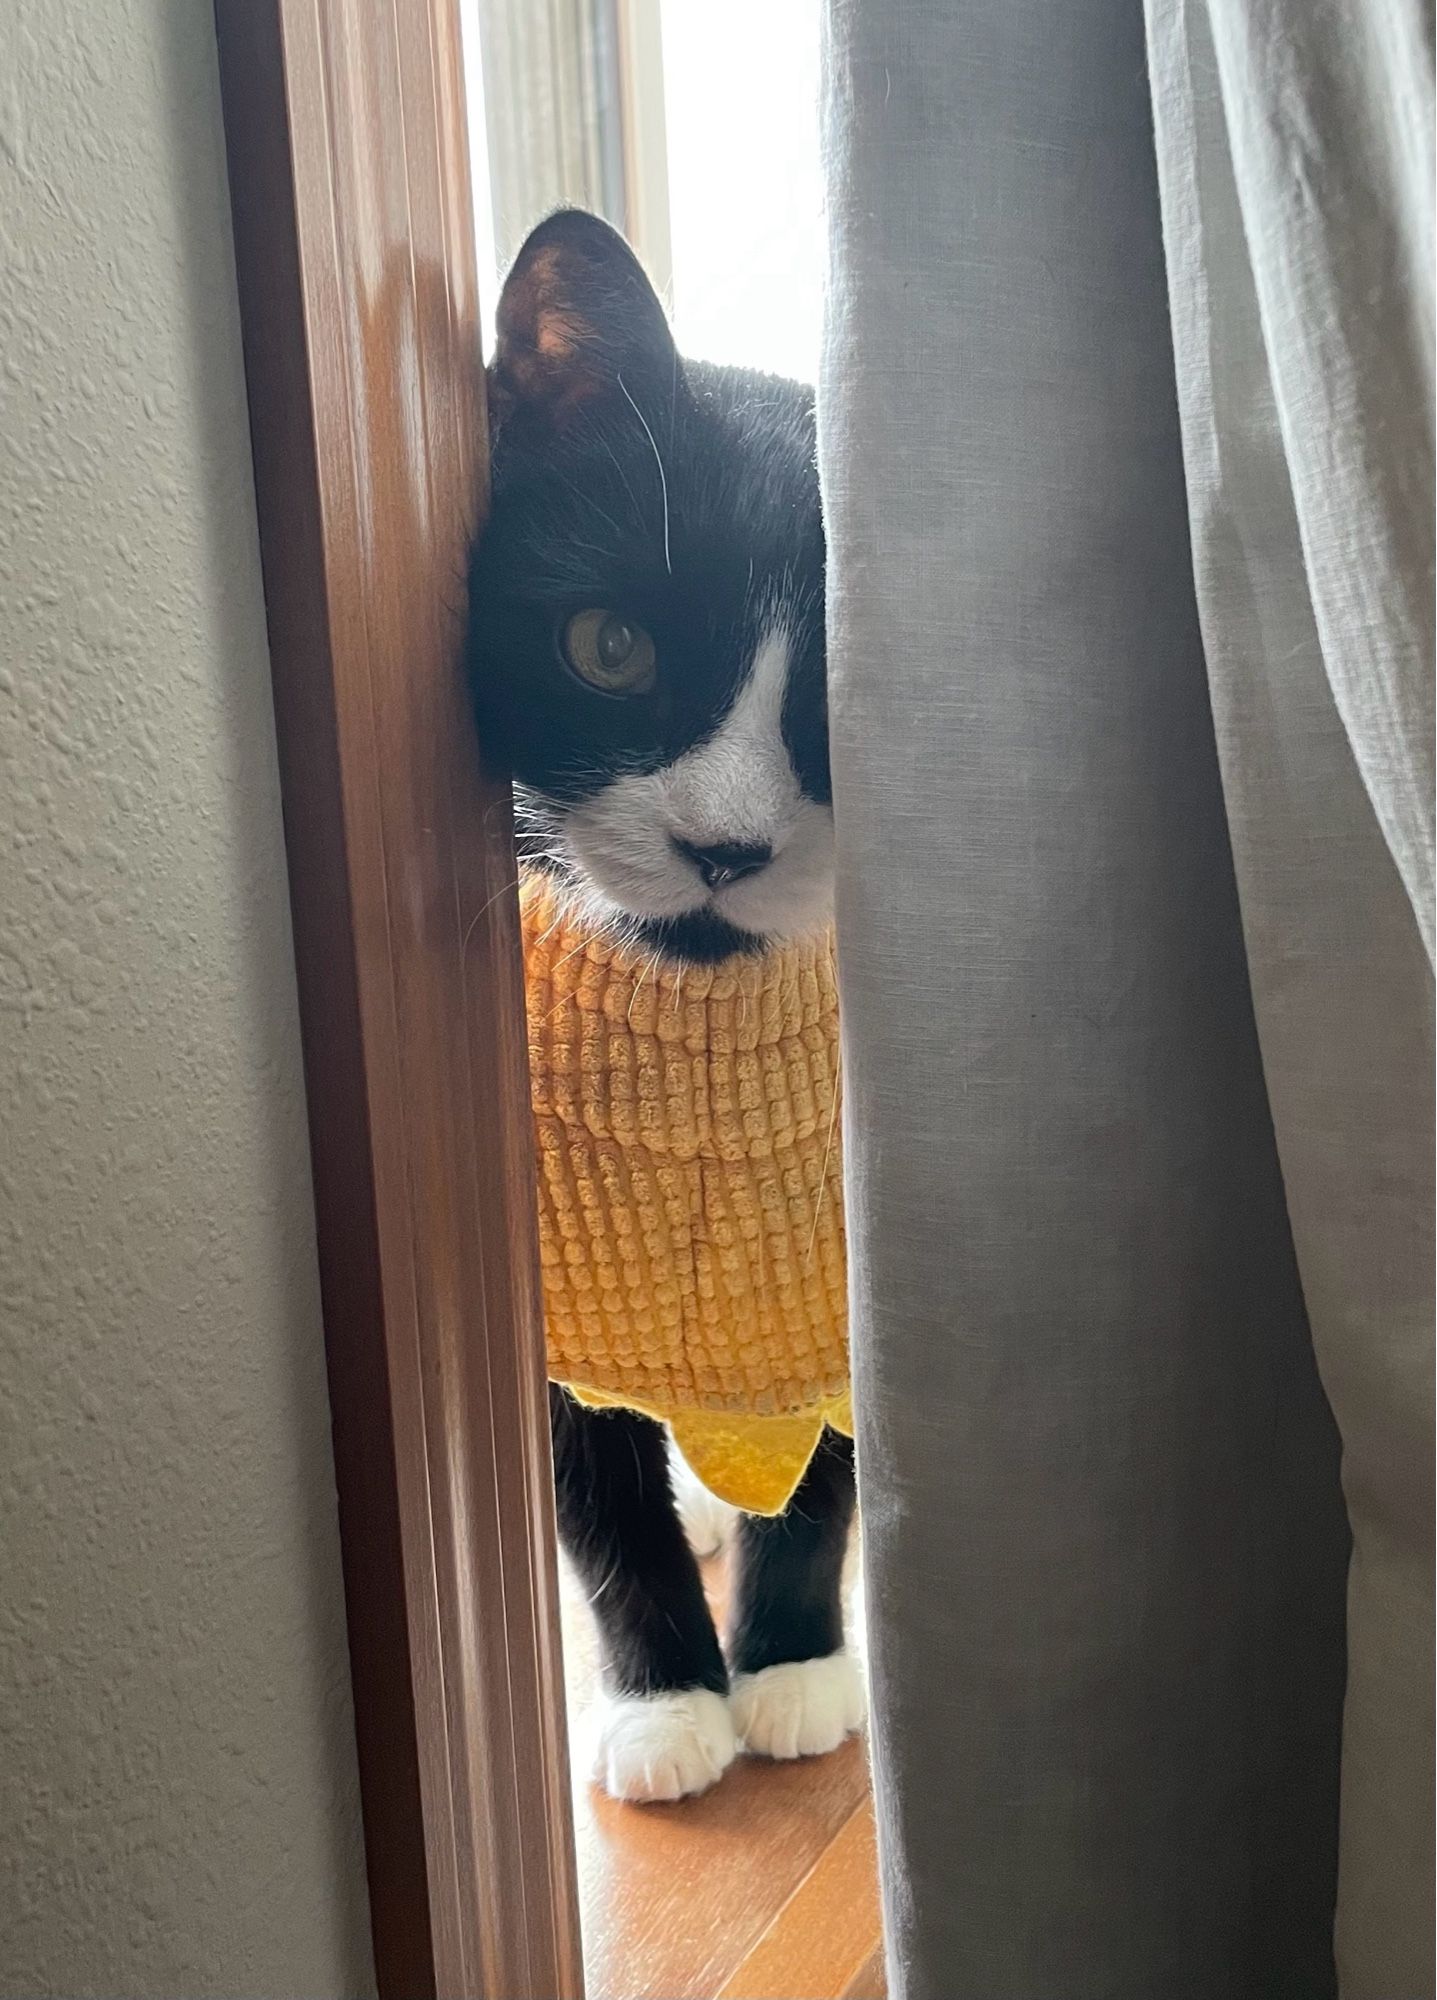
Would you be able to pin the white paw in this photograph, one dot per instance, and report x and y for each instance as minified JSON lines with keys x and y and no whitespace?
{"x":663,"y":1746}
{"x":800,"y":1709}
{"x":706,"y":1519}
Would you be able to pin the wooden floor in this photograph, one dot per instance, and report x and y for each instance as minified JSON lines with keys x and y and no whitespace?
{"x":765,"y":1888}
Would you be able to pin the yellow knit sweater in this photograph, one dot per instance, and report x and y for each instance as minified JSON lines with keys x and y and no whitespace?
{"x":690,"y":1194}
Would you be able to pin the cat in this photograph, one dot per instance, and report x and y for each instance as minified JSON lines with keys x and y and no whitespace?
{"x":646,"y":653}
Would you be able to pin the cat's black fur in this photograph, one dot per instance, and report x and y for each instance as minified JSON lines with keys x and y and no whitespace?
{"x":686,"y":497}
{"x":620,"y":1530}
{"x":693,"y":526}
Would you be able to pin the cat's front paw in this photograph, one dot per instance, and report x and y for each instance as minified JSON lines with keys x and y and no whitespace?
{"x":663,"y":1746}
{"x":802,"y":1708}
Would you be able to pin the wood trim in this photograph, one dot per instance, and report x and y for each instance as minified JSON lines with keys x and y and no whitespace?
{"x":354,"y":244}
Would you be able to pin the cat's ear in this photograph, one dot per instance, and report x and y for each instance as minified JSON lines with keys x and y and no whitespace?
{"x":577,"y":314}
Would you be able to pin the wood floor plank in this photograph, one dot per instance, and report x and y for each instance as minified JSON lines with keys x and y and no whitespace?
{"x":870,"y":1982}
{"x":823,"y":1939}
{"x":674,"y":1898}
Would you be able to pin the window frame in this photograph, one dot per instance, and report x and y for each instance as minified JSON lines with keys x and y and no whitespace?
{"x":573,"y":114}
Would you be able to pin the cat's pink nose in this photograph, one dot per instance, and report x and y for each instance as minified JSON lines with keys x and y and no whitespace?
{"x":723,"y":862}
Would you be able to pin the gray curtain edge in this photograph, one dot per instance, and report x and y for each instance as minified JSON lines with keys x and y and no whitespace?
{"x":1104,"y":1538}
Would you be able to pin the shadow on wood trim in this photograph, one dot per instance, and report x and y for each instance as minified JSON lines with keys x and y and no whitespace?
{"x":350,"y":190}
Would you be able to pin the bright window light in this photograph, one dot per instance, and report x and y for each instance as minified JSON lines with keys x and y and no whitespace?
{"x":745,"y":182}
{"x":737,"y":132}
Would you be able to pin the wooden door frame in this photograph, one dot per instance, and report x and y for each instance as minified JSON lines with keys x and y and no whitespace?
{"x":355,"y":251}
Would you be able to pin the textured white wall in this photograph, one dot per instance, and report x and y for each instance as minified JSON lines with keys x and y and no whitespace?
{"x":178,"y":1809}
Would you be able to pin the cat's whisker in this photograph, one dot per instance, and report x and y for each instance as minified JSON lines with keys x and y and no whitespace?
{"x":639,"y":985}
{"x":582,"y":945}
{"x":658,"y":461}
{"x":484,"y":911}
{"x":545,"y":936}
{"x":628,"y":486}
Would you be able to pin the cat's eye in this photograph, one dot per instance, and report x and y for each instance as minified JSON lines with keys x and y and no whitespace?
{"x":609,"y":653}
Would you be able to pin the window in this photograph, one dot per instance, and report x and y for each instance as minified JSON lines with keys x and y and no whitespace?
{"x":693,"y":128}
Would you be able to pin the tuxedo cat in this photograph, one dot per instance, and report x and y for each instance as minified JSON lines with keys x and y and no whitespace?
{"x":646,"y":651}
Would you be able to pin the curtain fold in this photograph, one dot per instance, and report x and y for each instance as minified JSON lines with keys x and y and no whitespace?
{"x":1320,"y":114}
{"x":1105,"y":1541}
{"x":1302,"y":332}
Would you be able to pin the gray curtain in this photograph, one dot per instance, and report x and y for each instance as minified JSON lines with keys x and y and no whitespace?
{"x":1128,"y":478}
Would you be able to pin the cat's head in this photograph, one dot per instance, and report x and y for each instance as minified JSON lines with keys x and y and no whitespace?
{"x":646,"y":642}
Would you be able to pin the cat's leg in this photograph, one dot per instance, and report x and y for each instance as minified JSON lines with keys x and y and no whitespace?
{"x":797,"y":1690}
{"x":664,"y":1729}
{"x":708,"y":1521}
